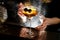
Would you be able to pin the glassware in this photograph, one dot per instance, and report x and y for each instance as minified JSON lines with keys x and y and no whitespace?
{"x":29,"y":12}
{"x":34,"y":13}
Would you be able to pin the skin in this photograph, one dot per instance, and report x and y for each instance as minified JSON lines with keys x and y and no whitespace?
{"x":48,"y":21}
{"x":40,"y":28}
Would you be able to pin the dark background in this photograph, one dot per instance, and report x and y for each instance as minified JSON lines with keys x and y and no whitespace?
{"x":53,"y":10}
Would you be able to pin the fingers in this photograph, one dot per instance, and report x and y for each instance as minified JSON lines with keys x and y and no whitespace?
{"x":20,"y":9}
{"x":43,"y":26}
{"x":20,"y":12}
{"x":22,"y":16}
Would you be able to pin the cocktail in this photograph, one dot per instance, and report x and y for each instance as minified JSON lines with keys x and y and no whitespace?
{"x":30,"y":13}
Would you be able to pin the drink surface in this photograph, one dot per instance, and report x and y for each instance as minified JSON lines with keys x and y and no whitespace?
{"x":33,"y":15}
{"x":30,"y":11}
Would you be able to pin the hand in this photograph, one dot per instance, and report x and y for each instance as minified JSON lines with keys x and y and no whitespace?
{"x":20,"y":14}
{"x":44,"y":25}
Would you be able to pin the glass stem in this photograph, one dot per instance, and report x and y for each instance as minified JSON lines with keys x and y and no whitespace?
{"x":30,"y":28}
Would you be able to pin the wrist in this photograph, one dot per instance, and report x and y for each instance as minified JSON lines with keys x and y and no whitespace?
{"x":52,"y":21}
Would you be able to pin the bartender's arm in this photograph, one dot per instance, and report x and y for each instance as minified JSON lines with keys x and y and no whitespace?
{"x":48,"y":21}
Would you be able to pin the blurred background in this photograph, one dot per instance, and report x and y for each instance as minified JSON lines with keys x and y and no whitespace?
{"x":9,"y":20}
